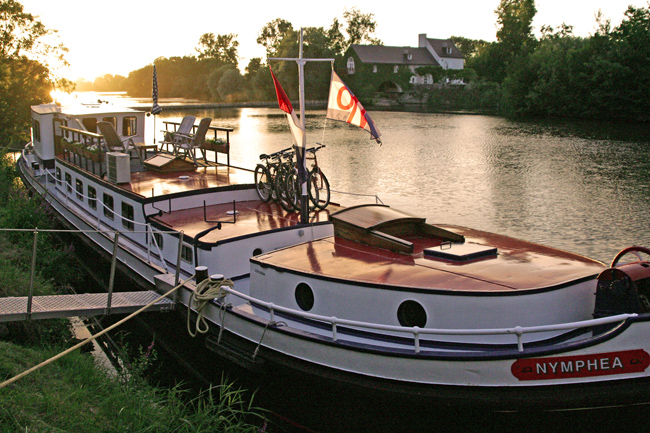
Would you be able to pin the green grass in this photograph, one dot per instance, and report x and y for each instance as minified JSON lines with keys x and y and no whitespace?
{"x":73,"y":395}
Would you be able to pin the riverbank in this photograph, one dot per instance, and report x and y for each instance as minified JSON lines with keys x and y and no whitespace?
{"x":73,"y":393}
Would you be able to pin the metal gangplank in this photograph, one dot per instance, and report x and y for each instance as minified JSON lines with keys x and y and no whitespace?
{"x":85,"y":304}
{"x":19,"y":308}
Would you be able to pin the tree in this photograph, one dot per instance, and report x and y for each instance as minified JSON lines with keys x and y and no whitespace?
{"x":469,"y":47}
{"x":360,"y":27}
{"x":222,"y":48}
{"x":26,"y":64}
{"x":515,"y":21}
{"x":231,"y":86}
{"x":272,"y":35}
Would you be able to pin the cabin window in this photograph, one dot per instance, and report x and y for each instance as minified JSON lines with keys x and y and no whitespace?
{"x":157,"y":240}
{"x":68,"y":182}
{"x":92,"y":197}
{"x":351,"y":66}
{"x":304,"y":297}
{"x":127,"y":216}
{"x":411,"y":313}
{"x":187,"y":254}
{"x":111,"y":120}
{"x":108,"y":206}
{"x":36,"y":128}
{"x":129,"y":126}
{"x":79,"y":186}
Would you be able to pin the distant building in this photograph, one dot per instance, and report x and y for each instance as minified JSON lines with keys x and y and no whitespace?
{"x":441,"y":53}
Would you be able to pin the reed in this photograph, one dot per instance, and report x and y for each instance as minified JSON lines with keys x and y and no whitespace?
{"x":75,"y":395}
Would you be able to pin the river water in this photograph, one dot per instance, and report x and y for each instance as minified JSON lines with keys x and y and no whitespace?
{"x":578,"y":186}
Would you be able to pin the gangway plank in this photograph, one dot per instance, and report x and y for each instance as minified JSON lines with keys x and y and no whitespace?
{"x":85,"y":304}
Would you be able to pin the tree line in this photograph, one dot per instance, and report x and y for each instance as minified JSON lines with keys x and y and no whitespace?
{"x":213,"y":74}
{"x":558,"y":74}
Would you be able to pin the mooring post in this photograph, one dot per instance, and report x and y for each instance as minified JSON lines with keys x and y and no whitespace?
{"x":31,"y":276}
{"x":111,"y":280}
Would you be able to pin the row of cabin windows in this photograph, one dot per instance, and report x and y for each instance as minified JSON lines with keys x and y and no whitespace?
{"x":128,"y":212}
{"x":129,"y":124}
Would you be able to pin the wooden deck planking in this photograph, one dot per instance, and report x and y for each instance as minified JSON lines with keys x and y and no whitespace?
{"x":252,"y":217}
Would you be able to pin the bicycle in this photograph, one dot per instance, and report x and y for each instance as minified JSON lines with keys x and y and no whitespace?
{"x":265,"y":175}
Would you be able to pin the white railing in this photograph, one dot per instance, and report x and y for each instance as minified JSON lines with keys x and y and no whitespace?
{"x":518,"y":331}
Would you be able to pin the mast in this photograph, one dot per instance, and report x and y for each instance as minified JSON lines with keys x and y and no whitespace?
{"x":300,"y":148}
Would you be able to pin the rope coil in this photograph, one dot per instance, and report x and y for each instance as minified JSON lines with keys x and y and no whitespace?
{"x":205,"y":292}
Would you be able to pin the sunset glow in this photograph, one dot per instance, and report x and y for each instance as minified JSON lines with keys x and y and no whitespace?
{"x":128,"y":35}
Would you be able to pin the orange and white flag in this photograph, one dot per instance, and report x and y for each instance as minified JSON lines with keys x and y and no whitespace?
{"x":345,"y":107}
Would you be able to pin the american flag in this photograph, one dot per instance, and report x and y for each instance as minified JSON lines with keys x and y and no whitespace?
{"x":156,"y":109}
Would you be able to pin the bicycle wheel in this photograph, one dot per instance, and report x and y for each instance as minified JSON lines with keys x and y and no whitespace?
{"x":295,"y":191}
{"x":322,"y":185}
{"x":263,"y":185}
{"x":292,"y":188}
{"x":283,"y":195}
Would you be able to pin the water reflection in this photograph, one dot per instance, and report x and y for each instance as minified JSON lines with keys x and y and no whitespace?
{"x":581,"y":187}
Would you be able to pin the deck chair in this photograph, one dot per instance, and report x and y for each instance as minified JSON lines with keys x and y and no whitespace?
{"x":189,"y":146}
{"x":182,"y":134}
{"x":113,"y":141}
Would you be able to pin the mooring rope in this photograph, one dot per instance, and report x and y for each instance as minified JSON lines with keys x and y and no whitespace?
{"x":207,"y":290}
{"x":91,"y":338}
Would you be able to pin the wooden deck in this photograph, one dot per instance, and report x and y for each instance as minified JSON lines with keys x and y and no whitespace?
{"x":151,"y":183}
{"x":252,"y":217}
{"x":518,"y":266}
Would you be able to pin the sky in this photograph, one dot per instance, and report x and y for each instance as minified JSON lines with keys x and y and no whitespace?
{"x":120,"y":36}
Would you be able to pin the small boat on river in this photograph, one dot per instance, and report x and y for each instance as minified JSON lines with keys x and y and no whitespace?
{"x":367,"y":297}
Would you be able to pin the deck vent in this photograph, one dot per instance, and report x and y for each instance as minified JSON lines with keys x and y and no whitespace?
{"x":118,"y":167}
{"x":460,"y":252}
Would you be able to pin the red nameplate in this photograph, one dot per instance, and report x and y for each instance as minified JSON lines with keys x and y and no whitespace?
{"x":564,"y":367}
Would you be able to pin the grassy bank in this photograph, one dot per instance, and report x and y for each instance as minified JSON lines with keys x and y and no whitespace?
{"x":73,"y":394}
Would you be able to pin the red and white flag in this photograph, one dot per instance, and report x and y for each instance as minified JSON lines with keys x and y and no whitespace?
{"x":345,"y":107}
{"x":285,"y":105}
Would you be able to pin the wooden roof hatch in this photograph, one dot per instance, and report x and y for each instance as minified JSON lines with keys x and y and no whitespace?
{"x":384,"y":227}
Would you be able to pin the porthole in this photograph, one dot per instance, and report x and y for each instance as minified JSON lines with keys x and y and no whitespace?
{"x":411,"y":313}
{"x":304,"y":297}
{"x":257,"y":251}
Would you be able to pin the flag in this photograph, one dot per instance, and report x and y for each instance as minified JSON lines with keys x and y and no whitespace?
{"x":345,"y":107}
{"x":156,"y":109}
{"x":285,"y":105}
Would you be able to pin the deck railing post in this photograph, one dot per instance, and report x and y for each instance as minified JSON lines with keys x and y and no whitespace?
{"x":178,"y":259}
{"x":111,"y":280}
{"x":31,"y":275}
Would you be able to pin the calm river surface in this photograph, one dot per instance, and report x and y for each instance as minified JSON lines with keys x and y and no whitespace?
{"x":580,"y":187}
